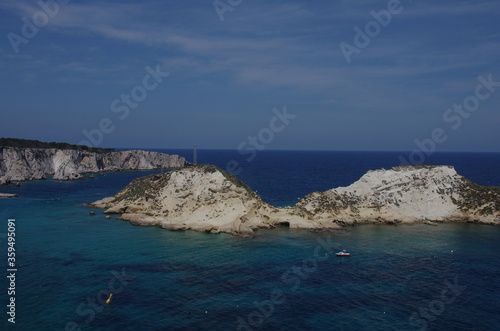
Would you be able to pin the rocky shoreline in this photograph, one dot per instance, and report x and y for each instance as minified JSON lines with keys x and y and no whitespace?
{"x":207,"y":199}
{"x":21,"y":164}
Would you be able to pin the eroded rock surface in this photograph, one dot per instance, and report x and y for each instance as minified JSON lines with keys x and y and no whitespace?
{"x":206,"y":198}
{"x":17,"y":164}
{"x":406,"y":194}
{"x":202,"y":198}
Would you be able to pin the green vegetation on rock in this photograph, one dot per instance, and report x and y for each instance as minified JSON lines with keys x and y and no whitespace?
{"x":25,"y":143}
{"x":476,"y":196}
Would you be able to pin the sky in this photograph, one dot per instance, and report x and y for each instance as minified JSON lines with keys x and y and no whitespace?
{"x":363,"y":75}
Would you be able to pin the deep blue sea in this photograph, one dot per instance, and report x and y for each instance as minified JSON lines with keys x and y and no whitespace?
{"x":412,"y":277}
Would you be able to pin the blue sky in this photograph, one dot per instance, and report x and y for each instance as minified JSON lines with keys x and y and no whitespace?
{"x":226,"y":77}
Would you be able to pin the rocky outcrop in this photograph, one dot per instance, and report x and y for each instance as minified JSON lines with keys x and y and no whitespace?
{"x":206,"y":198}
{"x":202,"y":198}
{"x":406,"y":194}
{"x":8,"y":195}
{"x":65,"y":164}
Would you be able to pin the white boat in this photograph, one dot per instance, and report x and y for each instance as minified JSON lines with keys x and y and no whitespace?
{"x":343,"y":253}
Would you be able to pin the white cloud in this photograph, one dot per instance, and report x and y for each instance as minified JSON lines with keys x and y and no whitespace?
{"x":267,"y":44}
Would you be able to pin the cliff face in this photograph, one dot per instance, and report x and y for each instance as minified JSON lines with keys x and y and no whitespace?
{"x":205,"y":198}
{"x":406,"y":194}
{"x":36,"y":163}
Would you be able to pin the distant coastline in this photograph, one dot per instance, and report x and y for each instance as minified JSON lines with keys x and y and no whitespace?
{"x":22,"y":160}
{"x":29,"y":143}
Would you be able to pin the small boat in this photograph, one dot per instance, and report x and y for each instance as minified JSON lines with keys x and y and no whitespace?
{"x":343,"y":253}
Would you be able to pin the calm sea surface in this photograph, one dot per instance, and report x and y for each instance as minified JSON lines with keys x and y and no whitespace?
{"x":418,"y":277}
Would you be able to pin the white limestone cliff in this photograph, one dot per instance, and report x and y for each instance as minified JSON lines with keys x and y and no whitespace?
{"x":202,"y":198}
{"x":208,"y":199}
{"x":406,"y":194}
{"x":17,"y":164}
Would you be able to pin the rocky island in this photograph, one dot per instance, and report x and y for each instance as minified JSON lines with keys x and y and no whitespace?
{"x":206,"y":198}
{"x":406,"y":194}
{"x":68,"y":162}
{"x":202,"y":198}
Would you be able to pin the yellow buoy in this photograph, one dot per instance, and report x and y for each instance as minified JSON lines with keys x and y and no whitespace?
{"x":109,"y":298}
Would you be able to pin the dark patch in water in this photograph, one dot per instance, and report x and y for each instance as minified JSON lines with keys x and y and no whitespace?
{"x":155,"y":267}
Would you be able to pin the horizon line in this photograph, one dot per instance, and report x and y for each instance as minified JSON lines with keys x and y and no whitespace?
{"x":302,"y":150}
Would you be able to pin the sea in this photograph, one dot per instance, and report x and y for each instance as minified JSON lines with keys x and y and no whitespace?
{"x":398,"y":277}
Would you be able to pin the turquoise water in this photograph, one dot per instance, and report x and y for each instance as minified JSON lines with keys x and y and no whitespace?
{"x":416,"y":277}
